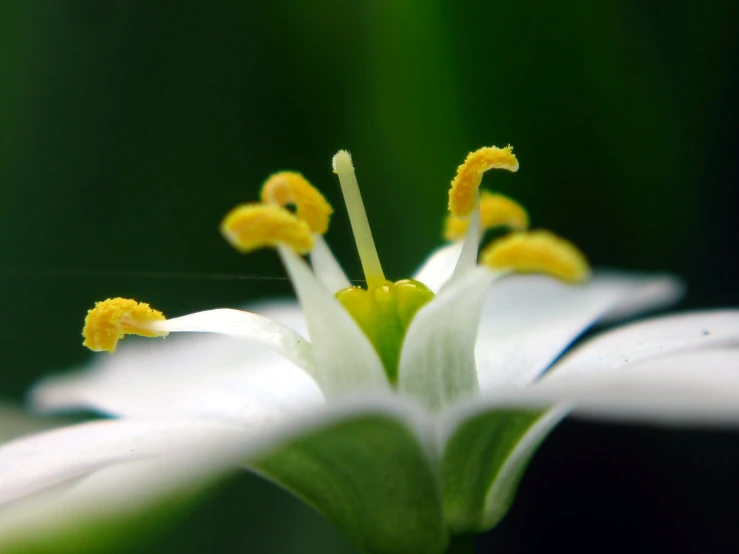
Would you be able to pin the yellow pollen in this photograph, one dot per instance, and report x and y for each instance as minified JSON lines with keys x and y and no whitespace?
{"x":537,"y":252}
{"x":495,"y":210}
{"x":463,"y":193}
{"x":252,"y":226}
{"x":288,"y":187}
{"x":113,"y":318}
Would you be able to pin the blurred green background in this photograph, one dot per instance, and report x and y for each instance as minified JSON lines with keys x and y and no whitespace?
{"x":128,"y":128}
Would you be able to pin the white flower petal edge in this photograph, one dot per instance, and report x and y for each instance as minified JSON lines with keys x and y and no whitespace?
{"x":246,"y":325}
{"x":437,"y":365}
{"x":345,"y":359}
{"x":650,"y":338}
{"x":688,"y":389}
{"x":41,"y":462}
{"x":326,"y":268}
{"x":31,"y":464}
{"x":528,"y":320}
{"x":219,"y":379}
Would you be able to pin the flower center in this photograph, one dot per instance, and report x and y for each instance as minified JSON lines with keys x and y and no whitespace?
{"x":384,"y":312}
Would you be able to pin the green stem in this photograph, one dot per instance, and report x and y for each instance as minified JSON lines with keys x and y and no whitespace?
{"x":461,"y":544}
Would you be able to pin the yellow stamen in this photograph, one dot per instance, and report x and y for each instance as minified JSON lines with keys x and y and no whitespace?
{"x":288,"y":187}
{"x":537,"y":252}
{"x":495,"y":210}
{"x":463,"y":193}
{"x":113,"y":318}
{"x":344,"y":168}
{"x":252,"y":226}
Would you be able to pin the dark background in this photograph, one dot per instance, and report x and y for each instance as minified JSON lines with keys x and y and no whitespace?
{"x":128,"y":128}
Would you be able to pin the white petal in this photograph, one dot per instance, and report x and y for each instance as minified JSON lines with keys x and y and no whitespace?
{"x":325,"y":267}
{"x":31,"y":464}
{"x":437,"y":364}
{"x":439,"y":266}
{"x":345,"y":359}
{"x":284,"y":311}
{"x":207,"y":376}
{"x":102,"y":467}
{"x":649,"y":339}
{"x":645,"y":293}
{"x":692,"y":388}
{"x":528,"y":320}
{"x":245,"y":325}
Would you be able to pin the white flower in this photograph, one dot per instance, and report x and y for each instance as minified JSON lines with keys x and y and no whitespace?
{"x":409,"y":418}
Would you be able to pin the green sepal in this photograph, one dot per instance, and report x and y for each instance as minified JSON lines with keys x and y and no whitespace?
{"x":485,"y":454}
{"x":371,"y":478}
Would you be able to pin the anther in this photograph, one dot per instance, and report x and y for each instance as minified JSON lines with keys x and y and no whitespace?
{"x":496,"y":210}
{"x":112,"y":319}
{"x":537,"y":252}
{"x":288,"y":187}
{"x":463,"y":193}
{"x":252,"y":226}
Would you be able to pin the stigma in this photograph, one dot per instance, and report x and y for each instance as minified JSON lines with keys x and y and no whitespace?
{"x":110,"y":320}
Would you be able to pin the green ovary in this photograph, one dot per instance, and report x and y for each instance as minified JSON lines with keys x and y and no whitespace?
{"x":384,"y":313}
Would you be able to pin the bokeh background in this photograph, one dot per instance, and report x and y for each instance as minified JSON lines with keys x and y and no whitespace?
{"x":129,"y":127}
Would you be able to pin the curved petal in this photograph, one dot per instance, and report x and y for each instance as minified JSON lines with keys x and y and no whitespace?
{"x":650,"y":338}
{"x":689,"y":388}
{"x":359,"y":461}
{"x":326,"y":268}
{"x":489,"y":442}
{"x":245,"y":325}
{"x":528,"y":320}
{"x":437,"y":360}
{"x":32,"y":464}
{"x":439,"y":266}
{"x":206,"y":376}
{"x":345,"y":359}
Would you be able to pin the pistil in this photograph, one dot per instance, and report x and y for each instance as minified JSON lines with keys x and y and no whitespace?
{"x":344,"y":168}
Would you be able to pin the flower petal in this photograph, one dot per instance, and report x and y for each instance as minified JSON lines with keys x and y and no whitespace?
{"x":437,"y":363}
{"x":345,"y":359}
{"x":326,"y":268}
{"x":439,"y":266}
{"x":249,"y":326}
{"x":691,"y":388}
{"x":650,"y":338}
{"x":32,"y":464}
{"x":205,"y":376}
{"x":71,"y":477}
{"x":528,"y":320}
{"x":501,"y":432}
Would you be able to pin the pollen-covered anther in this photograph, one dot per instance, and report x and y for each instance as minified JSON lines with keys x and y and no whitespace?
{"x":496,"y":210}
{"x":463,"y":192}
{"x":537,"y":252}
{"x":112,"y":319}
{"x":252,"y":226}
{"x":288,"y":187}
